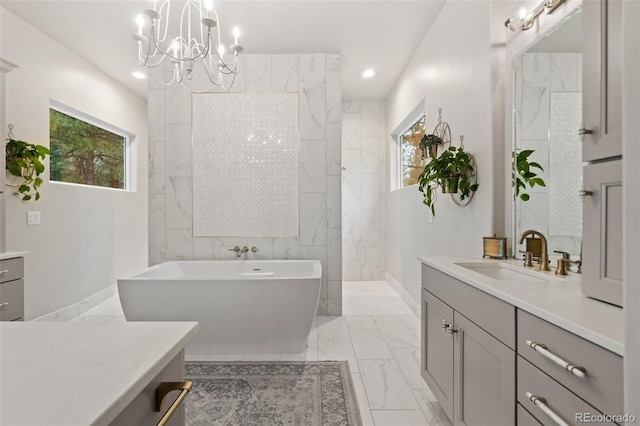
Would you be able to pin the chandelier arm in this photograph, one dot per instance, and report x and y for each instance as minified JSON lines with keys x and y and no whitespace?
{"x":187,"y":48}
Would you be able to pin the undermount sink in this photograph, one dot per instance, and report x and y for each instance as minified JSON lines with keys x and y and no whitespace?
{"x":506,"y":272}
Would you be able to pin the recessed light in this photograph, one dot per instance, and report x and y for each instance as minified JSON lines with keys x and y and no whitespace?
{"x":368,"y":73}
{"x":139,"y":75}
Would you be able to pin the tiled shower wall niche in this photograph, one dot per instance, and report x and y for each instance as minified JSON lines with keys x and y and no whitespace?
{"x":316,"y":79}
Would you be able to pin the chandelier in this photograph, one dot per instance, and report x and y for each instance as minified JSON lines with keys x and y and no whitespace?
{"x":189,"y":51}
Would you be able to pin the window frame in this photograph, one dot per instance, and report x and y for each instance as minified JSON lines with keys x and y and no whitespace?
{"x":412,"y":120}
{"x":129,"y":141}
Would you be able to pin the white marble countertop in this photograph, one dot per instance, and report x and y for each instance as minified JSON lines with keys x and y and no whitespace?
{"x":81,"y":373}
{"x":12,"y":254}
{"x":558,"y":300}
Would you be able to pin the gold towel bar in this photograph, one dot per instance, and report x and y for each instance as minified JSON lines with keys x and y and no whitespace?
{"x":163,"y":389}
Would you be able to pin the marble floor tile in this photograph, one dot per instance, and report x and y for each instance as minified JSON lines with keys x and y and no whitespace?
{"x":332,"y":327}
{"x":413,"y":324}
{"x":385,"y":385}
{"x":386,"y":318}
{"x":397,"y":335}
{"x":369,"y":344}
{"x":360,"y":322}
{"x":339,"y":349}
{"x":399,"y":418}
{"x":430,"y":408}
{"x":363,"y":404}
{"x":408,"y":360}
{"x":311,"y":354}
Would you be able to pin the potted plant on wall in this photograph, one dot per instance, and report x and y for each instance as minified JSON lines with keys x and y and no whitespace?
{"x":452,"y":171}
{"x":429,"y":145}
{"x":24,"y":161}
{"x":522,"y":173}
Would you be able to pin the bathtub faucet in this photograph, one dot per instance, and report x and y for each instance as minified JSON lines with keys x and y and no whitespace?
{"x":240,"y":251}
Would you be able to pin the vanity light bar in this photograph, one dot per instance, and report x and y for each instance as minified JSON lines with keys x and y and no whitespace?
{"x":528,"y":20}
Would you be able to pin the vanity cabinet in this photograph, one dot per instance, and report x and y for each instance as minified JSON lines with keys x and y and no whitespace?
{"x":602,"y":232}
{"x":602,"y":79}
{"x":11,"y":289}
{"x":491,"y":363}
{"x":594,"y":387}
{"x":602,"y":113}
{"x":467,"y":366}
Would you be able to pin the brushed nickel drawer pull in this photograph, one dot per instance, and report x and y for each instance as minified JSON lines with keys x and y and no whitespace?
{"x":584,"y":193}
{"x":163,"y":389}
{"x":541,"y":403}
{"x":4,"y":271}
{"x":3,"y":304}
{"x":542,"y":350}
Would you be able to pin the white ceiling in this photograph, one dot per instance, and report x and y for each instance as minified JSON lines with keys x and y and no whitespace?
{"x":367,"y":33}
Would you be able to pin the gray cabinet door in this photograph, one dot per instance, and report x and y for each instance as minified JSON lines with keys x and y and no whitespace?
{"x":602,"y":79}
{"x":484,"y":377}
{"x":602,"y":232}
{"x":437,"y":350}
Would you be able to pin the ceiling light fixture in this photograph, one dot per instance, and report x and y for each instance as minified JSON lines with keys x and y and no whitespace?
{"x":139,"y":75}
{"x":192,"y":47}
{"x":368,"y":73}
{"x":528,"y":20}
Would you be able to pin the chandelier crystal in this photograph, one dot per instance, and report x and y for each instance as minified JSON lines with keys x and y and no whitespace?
{"x":189,"y":51}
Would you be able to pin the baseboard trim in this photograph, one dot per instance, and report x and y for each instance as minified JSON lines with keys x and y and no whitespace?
{"x":410,"y":301}
{"x":72,"y":311}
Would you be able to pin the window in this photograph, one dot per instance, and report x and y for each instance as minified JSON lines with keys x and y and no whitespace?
{"x":411,"y":161}
{"x":85,"y":153}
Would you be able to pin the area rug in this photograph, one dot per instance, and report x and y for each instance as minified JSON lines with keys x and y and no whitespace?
{"x":271,"y":393}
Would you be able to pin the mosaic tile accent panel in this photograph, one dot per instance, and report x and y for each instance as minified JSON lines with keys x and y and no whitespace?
{"x":245,"y":165}
{"x":565,"y":167}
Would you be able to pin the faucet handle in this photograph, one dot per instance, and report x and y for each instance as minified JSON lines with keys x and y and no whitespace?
{"x":528,"y":257}
{"x":236,"y":249}
{"x":565,"y":255}
{"x":254,"y":249}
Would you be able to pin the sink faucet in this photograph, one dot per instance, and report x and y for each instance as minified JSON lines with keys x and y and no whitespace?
{"x":544,"y":263}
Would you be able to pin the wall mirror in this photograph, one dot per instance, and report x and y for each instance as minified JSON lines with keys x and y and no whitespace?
{"x":546,"y":117}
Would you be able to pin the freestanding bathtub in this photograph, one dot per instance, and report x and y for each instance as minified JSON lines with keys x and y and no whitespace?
{"x":243,"y":306}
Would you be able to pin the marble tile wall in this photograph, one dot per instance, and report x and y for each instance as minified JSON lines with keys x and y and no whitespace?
{"x":539,"y":75}
{"x":316,"y":78}
{"x":364,"y":189}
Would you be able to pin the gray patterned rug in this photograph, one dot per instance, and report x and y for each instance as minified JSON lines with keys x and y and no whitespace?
{"x":271,"y":393}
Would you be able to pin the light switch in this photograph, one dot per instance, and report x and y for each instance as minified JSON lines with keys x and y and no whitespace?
{"x":33,"y":218}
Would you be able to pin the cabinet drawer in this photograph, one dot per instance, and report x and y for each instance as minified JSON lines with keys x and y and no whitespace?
{"x":554,"y":396}
{"x":11,"y":269}
{"x":12,"y":293}
{"x":490,"y":313}
{"x":525,"y":418}
{"x":602,"y":384}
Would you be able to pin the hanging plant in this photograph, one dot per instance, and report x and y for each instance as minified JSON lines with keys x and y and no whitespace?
{"x":522,"y":174}
{"x":452,"y":171}
{"x":429,"y":145}
{"x":24,"y":161}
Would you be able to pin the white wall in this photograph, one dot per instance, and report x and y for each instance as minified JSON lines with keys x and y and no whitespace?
{"x":316,"y":79}
{"x":364,"y":190}
{"x":452,"y":70}
{"x":88,"y":236}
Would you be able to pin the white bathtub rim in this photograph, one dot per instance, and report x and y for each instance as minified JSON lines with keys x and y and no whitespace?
{"x":316,"y":274}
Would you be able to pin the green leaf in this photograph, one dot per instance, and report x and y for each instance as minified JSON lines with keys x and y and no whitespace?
{"x":524,"y":197}
{"x":536,"y":165}
{"x":26,"y":198}
{"x":24,"y":188}
{"x":37,"y":196}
